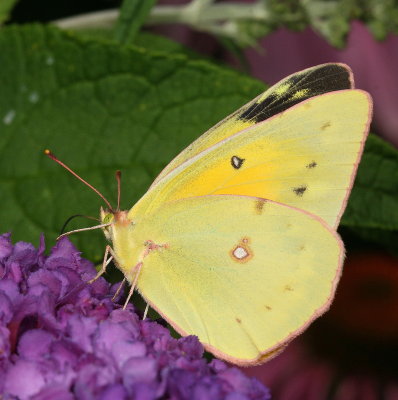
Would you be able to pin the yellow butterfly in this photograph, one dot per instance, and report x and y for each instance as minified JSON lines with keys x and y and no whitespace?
{"x":235,"y":241}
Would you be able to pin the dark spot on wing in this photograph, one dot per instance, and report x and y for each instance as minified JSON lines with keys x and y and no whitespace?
{"x":268,"y":308}
{"x":237,"y":162}
{"x":300,"y":190}
{"x":326,"y":125}
{"x":238,"y":320}
{"x":288,"y":288}
{"x":326,"y":78}
{"x":313,"y":164}
{"x":259,"y":205}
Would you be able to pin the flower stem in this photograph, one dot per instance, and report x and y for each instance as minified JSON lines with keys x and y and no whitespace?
{"x":200,"y":14}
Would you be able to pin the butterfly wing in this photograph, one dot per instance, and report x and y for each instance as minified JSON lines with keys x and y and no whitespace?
{"x":243,"y":274}
{"x":293,"y":89}
{"x":305,"y":157}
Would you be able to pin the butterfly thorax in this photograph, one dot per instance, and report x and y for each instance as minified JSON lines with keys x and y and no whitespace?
{"x":127,"y":249}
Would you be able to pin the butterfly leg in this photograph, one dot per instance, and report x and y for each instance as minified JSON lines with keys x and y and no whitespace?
{"x":119,"y":289}
{"x":137,"y":270}
{"x":150,"y":246}
{"x":145,"y":312}
{"x":105,"y":263}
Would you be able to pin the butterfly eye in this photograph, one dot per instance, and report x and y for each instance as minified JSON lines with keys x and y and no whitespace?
{"x":108,"y":218}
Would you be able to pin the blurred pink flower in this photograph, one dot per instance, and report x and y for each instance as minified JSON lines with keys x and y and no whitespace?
{"x":375,"y":66}
{"x":375,"y":63}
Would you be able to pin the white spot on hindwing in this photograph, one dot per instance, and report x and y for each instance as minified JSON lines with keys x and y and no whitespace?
{"x":241,"y":252}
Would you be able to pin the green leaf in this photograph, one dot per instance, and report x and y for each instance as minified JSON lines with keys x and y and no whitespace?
{"x":133,"y":14}
{"x":374,"y":200}
{"x":153,"y":42}
{"x":381,"y":17}
{"x":372,"y":211}
{"x":146,"y":40}
{"x":5,"y":8}
{"x":99,"y":107}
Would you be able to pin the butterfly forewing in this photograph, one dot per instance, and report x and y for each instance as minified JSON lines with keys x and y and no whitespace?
{"x":290,"y":91}
{"x":305,"y":157}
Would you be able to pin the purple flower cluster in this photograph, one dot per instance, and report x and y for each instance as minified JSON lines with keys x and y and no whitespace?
{"x":63,"y":339}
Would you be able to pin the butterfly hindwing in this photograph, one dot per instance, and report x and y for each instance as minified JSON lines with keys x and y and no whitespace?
{"x":243,"y":274}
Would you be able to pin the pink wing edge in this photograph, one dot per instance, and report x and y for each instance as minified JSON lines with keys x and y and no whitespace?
{"x":273,"y":351}
{"x":359,"y":156}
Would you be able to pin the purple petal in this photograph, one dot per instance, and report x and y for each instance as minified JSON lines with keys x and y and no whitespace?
{"x":236,"y":396}
{"x":52,"y":280}
{"x":191,"y":347}
{"x":242,"y":384}
{"x":236,"y":379}
{"x":81,"y":330}
{"x":5,"y":246}
{"x":34,"y":344}
{"x":92,"y":377}
{"x":114,"y":392}
{"x":139,"y":369}
{"x":208,"y":389}
{"x":4,"y":343}
{"x":109,"y":331}
{"x":72,"y":340}
{"x":64,"y":253}
{"x":11,"y":290}
{"x":180,"y":384}
{"x":6,"y":309}
{"x":24,"y":254}
{"x":122,"y":350}
{"x":125,"y":316}
{"x":24,"y":379}
{"x":14,"y":271}
{"x":100,"y":287}
{"x":54,"y":392}
{"x":66,"y":354}
{"x":144,"y":391}
{"x":217,"y":365}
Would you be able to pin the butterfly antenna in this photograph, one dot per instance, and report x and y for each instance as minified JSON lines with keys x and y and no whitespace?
{"x":75,"y":216}
{"x":91,"y":228}
{"x":51,"y":155}
{"x":118,"y":179}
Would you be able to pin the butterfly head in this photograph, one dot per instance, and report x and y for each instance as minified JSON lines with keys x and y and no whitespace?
{"x":110,"y":217}
{"x":107,"y":217}
{"x":113,"y":220}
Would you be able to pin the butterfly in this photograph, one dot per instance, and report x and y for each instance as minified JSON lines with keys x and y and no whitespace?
{"x":235,"y":241}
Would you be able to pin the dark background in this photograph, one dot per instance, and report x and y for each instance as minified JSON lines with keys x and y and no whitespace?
{"x":49,"y":10}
